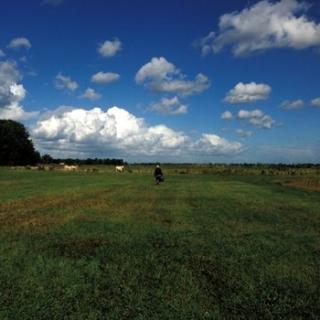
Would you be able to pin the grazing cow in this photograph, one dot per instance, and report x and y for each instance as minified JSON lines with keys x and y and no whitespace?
{"x":70,"y":168}
{"x":119,"y":168}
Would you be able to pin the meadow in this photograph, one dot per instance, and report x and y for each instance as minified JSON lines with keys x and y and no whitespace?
{"x":202,"y":245}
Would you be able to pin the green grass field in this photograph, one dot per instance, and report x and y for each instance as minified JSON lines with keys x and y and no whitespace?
{"x":200,"y":246}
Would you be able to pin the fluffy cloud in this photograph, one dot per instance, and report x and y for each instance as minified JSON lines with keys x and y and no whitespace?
{"x":315,"y":102}
{"x":244,"y":133}
{"x":64,"y":82}
{"x":183,"y":87}
{"x":114,"y":129}
{"x":105,"y":77}
{"x":16,"y":112}
{"x":159,"y":75}
{"x":227,"y":115}
{"x":265,"y":25}
{"x":257,"y":118}
{"x":118,"y":132}
{"x":248,"y":92}
{"x":91,"y":94}
{"x":156,"y":70}
{"x":110,"y":48}
{"x":19,"y":43}
{"x":292,"y":105}
{"x":2,"y":54}
{"x":213,"y":144}
{"x":169,"y":106}
{"x":12,"y":93}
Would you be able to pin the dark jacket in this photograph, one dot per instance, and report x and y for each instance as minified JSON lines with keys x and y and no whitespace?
{"x":157,"y":172}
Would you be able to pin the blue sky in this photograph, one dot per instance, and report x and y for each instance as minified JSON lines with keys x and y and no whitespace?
{"x":198,"y":81}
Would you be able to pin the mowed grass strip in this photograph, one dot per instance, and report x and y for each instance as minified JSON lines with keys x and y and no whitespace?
{"x":107,"y":246}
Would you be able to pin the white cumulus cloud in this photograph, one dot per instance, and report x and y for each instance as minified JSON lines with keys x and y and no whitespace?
{"x":227,"y":115}
{"x":9,"y":77}
{"x":155,"y":70}
{"x":213,"y":144}
{"x":115,"y":129}
{"x":257,"y":118}
{"x":110,"y":48}
{"x":12,"y":93}
{"x":183,"y":87}
{"x":17,"y":43}
{"x":264,"y":25}
{"x":169,"y":106}
{"x":160,"y":75}
{"x":315,"y":102}
{"x":118,"y":132}
{"x":292,"y":105}
{"x":64,"y":82}
{"x":105,"y":77}
{"x":91,"y":94}
{"x":16,"y":112}
{"x":248,"y":93}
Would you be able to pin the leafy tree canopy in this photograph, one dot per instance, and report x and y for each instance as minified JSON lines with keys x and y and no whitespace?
{"x":16,"y":147}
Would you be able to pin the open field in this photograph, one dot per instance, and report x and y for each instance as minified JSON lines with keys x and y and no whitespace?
{"x":100,"y":245}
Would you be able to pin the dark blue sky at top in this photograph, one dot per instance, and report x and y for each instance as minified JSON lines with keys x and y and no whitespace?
{"x":65,"y":39}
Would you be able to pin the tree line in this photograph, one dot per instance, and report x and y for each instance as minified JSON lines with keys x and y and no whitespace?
{"x":47,"y":159}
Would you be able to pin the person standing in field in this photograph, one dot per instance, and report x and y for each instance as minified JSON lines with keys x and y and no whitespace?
{"x":158,"y":175}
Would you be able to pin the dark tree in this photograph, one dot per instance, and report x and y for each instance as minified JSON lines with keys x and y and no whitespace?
{"x":46,"y":158}
{"x":16,"y":147}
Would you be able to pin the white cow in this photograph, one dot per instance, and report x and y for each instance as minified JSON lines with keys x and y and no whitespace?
{"x":119,"y":168}
{"x":70,"y":168}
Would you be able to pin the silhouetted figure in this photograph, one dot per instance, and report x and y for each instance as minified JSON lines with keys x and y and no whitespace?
{"x":158,"y":175}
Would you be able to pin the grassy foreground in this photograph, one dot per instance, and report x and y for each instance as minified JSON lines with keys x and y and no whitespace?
{"x":105,"y":246}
